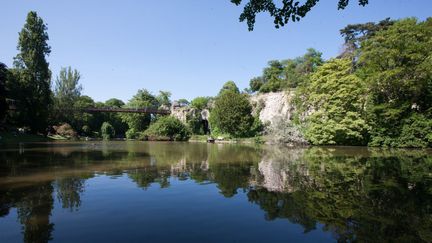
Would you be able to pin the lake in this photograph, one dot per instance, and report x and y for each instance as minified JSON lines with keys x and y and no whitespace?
{"x":196,"y":192}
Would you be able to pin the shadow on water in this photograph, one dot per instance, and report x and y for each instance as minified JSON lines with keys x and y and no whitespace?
{"x":356,"y":194}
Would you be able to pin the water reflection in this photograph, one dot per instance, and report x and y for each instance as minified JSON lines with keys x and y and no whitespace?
{"x":356,"y":194}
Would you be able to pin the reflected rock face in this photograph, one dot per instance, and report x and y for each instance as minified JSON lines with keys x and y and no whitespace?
{"x":278,"y":170}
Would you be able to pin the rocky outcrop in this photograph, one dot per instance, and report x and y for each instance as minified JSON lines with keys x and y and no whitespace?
{"x":273,"y":106}
{"x":184,"y":113}
{"x":276,"y":111}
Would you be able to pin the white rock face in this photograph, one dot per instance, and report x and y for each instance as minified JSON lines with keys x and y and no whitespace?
{"x":274,"y":105}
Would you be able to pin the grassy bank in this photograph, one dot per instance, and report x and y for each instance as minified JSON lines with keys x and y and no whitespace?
{"x":9,"y":137}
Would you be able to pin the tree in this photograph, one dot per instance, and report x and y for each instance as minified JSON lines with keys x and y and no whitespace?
{"x":290,"y":73}
{"x":232,"y":114}
{"x":164,"y":98}
{"x":66,"y":92}
{"x":107,"y":131}
{"x":288,"y":11}
{"x":139,"y":122}
{"x":354,"y":34}
{"x":395,"y":62}
{"x":272,"y":77}
{"x":183,"y":102}
{"x":84,"y":122}
{"x":115,"y":119}
{"x":229,"y":86}
{"x":336,"y":98}
{"x":256,"y":83}
{"x":3,"y":105}
{"x":200,"y":102}
{"x":33,"y":74}
{"x":67,"y":87}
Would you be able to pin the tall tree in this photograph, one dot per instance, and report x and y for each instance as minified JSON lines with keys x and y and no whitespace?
{"x":67,"y":90}
{"x":164,"y":98}
{"x":288,"y":10}
{"x":354,"y":34}
{"x":3,"y":104}
{"x":67,"y":87}
{"x":33,"y":74}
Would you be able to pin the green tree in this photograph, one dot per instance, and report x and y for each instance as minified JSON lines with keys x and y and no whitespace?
{"x":232,"y":114}
{"x":272,"y":77}
{"x":200,"y":102}
{"x":115,"y":119}
{"x":66,"y":92}
{"x":84,"y":122}
{"x":336,"y":97}
{"x":395,"y":63}
{"x":229,"y":86}
{"x":256,"y":83}
{"x":33,"y":76}
{"x":281,"y":12}
{"x":289,"y":73}
{"x":139,"y":122}
{"x":114,"y":103}
{"x":354,"y":34}
{"x":107,"y":131}
{"x":164,"y":98}
{"x":183,"y":102}
{"x":67,"y":87}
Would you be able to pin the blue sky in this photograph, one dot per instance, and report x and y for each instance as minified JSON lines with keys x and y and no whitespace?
{"x":188,"y":47}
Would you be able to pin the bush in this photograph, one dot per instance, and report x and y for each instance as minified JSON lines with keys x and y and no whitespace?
{"x":65,"y":130}
{"x":167,"y":128}
{"x":285,"y":132}
{"x":131,"y":134}
{"x":232,"y":114}
{"x":107,"y":131}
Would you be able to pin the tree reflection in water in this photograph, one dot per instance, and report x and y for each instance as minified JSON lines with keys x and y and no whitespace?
{"x":357,"y":194}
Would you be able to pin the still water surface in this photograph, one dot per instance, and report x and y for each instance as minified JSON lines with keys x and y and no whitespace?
{"x":186,"y":192}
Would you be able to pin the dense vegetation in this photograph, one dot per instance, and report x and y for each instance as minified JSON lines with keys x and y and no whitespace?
{"x":377,"y":92}
{"x":290,"y":73}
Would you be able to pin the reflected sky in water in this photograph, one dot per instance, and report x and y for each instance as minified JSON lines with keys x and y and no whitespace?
{"x":165,"y":192}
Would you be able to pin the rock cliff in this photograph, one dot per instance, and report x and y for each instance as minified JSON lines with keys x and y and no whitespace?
{"x":273,"y":106}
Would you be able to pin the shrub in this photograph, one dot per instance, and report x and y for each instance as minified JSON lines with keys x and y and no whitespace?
{"x":65,"y":130}
{"x":107,"y":131}
{"x":232,"y":114}
{"x":131,"y":134}
{"x":285,"y":132}
{"x":416,"y":132}
{"x":167,"y":128}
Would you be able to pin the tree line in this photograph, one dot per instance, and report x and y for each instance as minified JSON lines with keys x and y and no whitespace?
{"x":377,"y":92}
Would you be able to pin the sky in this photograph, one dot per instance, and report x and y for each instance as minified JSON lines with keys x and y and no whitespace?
{"x":188,"y":47}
